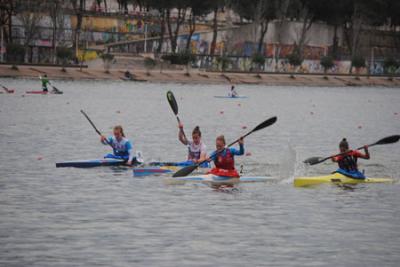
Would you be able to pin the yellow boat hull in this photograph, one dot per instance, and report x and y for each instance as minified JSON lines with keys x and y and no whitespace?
{"x":336,"y":178}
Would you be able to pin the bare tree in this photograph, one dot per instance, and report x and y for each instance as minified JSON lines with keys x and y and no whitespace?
{"x":30,"y":21}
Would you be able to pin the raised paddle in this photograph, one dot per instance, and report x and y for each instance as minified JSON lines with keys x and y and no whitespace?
{"x":94,"y":127}
{"x":189,"y":169}
{"x":384,"y":141}
{"x":174,"y":106}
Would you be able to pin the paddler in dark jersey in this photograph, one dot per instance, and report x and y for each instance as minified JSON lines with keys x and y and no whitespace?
{"x":224,"y":158}
{"x":348,"y":162}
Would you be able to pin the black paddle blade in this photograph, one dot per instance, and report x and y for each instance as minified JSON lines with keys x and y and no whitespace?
{"x":185,"y":171}
{"x":172,"y":102}
{"x":312,"y":160}
{"x":266,"y":123}
{"x":388,"y":140}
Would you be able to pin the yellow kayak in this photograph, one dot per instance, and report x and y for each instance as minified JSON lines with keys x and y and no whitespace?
{"x":336,"y":178}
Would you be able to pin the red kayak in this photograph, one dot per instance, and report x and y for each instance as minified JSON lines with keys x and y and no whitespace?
{"x":8,"y":91}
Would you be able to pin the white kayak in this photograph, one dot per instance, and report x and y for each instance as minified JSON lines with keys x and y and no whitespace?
{"x":215,"y":179}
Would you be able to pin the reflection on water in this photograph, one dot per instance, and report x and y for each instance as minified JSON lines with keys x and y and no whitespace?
{"x":105,"y":216}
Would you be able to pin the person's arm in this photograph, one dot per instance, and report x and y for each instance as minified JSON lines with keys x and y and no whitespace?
{"x":363,"y":156}
{"x":213,"y":156}
{"x":105,"y":141}
{"x":129,"y":148}
{"x":239,"y":152}
{"x":182,"y":136}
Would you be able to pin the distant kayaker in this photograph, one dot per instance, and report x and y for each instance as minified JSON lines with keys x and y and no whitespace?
{"x":122,"y":147}
{"x":348,"y":162}
{"x":233,"y":92}
{"x":197,"y":150}
{"x":45,"y":82}
{"x":224,"y":158}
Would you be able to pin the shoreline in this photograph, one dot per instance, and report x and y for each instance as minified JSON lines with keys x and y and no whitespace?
{"x":200,"y":77}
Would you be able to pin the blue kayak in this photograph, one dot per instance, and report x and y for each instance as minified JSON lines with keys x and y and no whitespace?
{"x":178,"y":164}
{"x":91,"y":163}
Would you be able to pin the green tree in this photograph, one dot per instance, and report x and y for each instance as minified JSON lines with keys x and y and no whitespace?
{"x":391,"y":65}
{"x":15,"y":54}
{"x":149,"y":64}
{"x":108,"y":60}
{"x":64,"y":54}
{"x":358,"y":62}
{"x":327,"y":63}
{"x":224,"y":63}
{"x":258,"y":60}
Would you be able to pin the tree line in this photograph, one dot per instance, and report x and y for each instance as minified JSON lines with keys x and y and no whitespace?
{"x":352,"y":16}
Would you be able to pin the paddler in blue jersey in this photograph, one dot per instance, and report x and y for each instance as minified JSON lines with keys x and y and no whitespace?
{"x":122,"y":147}
{"x":197,"y":150}
{"x":224,"y":158}
{"x":45,"y":82}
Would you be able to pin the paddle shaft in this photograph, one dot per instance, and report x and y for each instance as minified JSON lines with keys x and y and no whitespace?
{"x":174,"y":106}
{"x":345,"y":153}
{"x":5,"y":88}
{"x":94,"y":127}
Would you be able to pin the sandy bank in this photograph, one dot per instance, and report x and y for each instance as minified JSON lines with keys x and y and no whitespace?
{"x":197,"y":76}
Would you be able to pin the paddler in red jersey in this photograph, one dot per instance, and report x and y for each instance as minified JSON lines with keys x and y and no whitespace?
{"x":348,"y":161}
{"x":224,"y":158}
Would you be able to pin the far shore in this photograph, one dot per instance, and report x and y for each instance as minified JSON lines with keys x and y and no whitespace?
{"x":199,"y":77}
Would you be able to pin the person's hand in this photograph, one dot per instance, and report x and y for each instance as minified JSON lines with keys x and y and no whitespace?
{"x":103,"y":138}
{"x":129,"y":163}
{"x":241,"y":141}
{"x":180,"y":125}
{"x":366,"y":147}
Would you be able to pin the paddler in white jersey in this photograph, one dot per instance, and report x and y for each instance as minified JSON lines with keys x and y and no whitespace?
{"x":197,"y":150}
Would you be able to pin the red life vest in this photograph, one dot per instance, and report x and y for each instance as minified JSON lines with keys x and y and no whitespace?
{"x":226,"y":162}
{"x":348,"y":162}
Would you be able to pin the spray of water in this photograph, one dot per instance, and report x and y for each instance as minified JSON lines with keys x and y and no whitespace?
{"x":288,"y":164}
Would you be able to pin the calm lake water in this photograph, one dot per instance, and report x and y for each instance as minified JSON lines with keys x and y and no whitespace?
{"x":107,"y":217}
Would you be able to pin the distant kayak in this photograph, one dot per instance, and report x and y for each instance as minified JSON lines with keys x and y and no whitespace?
{"x":230,"y":97}
{"x":44,"y":93}
{"x":214,"y":179}
{"x":91,"y":163}
{"x":336,"y":178}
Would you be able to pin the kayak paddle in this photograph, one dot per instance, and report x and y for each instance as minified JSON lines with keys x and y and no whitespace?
{"x":94,"y":127}
{"x":174,"y":106}
{"x":384,"y":141}
{"x":189,"y":169}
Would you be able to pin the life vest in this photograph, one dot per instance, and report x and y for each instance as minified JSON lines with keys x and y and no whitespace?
{"x":348,"y":162}
{"x":226,"y":162}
